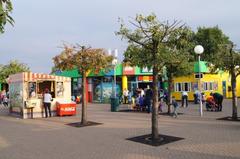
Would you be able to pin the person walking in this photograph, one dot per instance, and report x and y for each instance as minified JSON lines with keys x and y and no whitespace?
{"x":175,"y":107}
{"x":47,"y":98}
{"x":184,"y":98}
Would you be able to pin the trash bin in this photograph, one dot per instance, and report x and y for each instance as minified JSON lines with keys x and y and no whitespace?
{"x":114,"y":104}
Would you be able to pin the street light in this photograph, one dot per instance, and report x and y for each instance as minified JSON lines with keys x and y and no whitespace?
{"x":199,"y":50}
{"x":114,"y":64}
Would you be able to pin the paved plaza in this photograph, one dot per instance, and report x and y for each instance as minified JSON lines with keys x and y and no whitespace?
{"x":52,"y":138}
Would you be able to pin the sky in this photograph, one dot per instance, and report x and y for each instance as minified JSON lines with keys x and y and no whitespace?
{"x":41,"y":27}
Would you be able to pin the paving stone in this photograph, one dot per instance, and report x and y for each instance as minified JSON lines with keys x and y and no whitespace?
{"x":204,"y":137}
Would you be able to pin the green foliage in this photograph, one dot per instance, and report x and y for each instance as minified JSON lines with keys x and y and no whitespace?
{"x":12,"y":67}
{"x":154,"y":43}
{"x":5,"y":10}
{"x":179,"y":60}
{"x":228,"y":59}
{"x":211,"y":39}
{"x":218,"y":49}
{"x":82,"y":58}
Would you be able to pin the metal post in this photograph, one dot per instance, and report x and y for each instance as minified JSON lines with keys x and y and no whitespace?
{"x":200,"y":89}
{"x":114,"y":74}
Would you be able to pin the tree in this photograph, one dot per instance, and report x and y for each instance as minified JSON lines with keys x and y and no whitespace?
{"x":210,"y":38}
{"x":148,"y":43}
{"x":178,"y":61}
{"x":84,"y":59}
{"x":219,"y":52}
{"x":5,"y":10}
{"x":229,"y":60}
{"x":12,"y":67}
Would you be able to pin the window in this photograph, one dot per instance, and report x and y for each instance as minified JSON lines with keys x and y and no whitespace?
{"x":178,"y":87}
{"x":186,"y":86}
{"x":208,"y":86}
{"x":60,"y":89}
{"x":43,"y":85}
{"x":32,"y":89}
{"x":197,"y":75}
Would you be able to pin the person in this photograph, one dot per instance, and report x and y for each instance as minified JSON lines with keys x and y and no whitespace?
{"x":47,"y":98}
{"x":141,"y":102}
{"x":148,"y":99}
{"x":160,"y":106}
{"x":175,"y":107}
{"x":203,"y":97}
{"x":142,"y":92}
{"x":218,"y":99}
{"x":210,"y":103}
{"x":196,"y":97}
{"x":125,"y":96}
{"x":137,"y":102}
{"x":130,"y":98}
{"x":184,"y":98}
{"x":165,"y":96}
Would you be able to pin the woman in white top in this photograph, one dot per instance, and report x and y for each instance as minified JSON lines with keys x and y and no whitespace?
{"x":47,"y":98}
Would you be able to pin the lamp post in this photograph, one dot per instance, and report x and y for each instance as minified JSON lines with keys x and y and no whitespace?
{"x":198,"y":49}
{"x":114,"y":64}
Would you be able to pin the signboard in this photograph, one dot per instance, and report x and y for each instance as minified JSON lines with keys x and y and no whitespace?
{"x":128,"y":70}
{"x":146,"y":70}
{"x":145,"y":78}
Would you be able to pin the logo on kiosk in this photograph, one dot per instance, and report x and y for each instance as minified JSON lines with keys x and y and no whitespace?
{"x":68,"y":109}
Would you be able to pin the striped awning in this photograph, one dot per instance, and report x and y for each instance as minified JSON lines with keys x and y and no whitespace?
{"x":29,"y":76}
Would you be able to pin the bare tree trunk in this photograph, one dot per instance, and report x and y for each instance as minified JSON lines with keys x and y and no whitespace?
{"x":234,"y":97}
{"x":169,"y":100}
{"x":155,"y":134}
{"x":84,"y":100}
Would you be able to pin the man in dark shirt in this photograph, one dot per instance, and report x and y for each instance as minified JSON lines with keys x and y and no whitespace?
{"x":148,"y":99}
{"x":218,"y":99}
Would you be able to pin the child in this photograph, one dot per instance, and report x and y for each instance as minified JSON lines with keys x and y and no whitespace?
{"x":175,"y":106}
{"x":137,"y":106}
{"x":160,"y":106}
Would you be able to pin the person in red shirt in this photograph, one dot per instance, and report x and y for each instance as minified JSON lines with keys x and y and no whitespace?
{"x":210,"y":103}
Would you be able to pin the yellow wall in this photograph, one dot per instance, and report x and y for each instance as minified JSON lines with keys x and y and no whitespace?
{"x":178,"y":95}
{"x":237,"y":87}
{"x":216,"y":78}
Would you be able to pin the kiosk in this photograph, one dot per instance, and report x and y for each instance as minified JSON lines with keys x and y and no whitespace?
{"x":26,"y":93}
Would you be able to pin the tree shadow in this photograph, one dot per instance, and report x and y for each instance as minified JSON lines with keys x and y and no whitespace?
{"x":147,"y":139}
{"x":229,"y":118}
{"x":79,"y":124}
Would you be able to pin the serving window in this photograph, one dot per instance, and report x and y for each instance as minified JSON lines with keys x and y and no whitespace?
{"x":43,"y":85}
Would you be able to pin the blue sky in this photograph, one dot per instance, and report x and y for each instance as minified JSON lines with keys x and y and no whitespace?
{"x":41,"y":27}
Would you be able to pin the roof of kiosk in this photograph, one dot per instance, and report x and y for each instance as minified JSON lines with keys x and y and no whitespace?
{"x":29,"y":76}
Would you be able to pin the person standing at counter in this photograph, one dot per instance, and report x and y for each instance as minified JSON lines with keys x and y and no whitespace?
{"x":47,"y":98}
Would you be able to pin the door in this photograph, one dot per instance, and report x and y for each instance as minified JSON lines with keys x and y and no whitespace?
{"x":224,"y":89}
